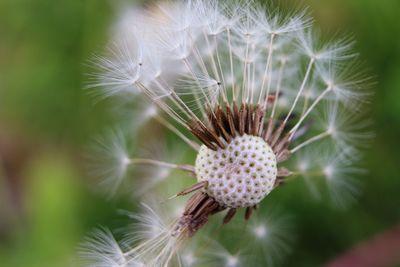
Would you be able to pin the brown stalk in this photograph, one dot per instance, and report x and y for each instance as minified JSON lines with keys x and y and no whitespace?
{"x":195,"y":187}
{"x":229,"y":215}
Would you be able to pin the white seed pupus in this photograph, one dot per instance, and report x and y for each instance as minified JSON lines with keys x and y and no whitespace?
{"x":241,"y":175}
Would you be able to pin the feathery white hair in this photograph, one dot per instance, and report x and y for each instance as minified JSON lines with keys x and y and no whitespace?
{"x":221,"y":71}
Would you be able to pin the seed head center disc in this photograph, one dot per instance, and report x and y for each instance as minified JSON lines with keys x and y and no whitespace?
{"x":241,"y":175}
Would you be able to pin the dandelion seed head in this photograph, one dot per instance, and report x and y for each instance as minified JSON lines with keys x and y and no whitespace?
{"x":248,"y":88}
{"x":240,"y":175}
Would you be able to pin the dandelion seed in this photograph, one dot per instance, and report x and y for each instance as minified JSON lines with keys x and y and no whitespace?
{"x":273,"y":235}
{"x":335,"y":170}
{"x":218,"y":255}
{"x":188,"y":259}
{"x":242,"y":108}
{"x":102,"y":250}
{"x":108,"y":159}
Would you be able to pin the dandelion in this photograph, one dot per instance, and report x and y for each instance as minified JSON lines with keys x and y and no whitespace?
{"x":244,"y":89}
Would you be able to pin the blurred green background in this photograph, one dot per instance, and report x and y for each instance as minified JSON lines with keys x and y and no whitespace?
{"x":46,"y":201}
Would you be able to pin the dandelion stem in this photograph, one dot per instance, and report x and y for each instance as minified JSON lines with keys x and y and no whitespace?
{"x":220,"y":68}
{"x":319,"y":98}
{"x":152,"y":162}
{"x":202,"y":65}
{"x":231,"y":63}
{"x":172,"y":98}
{"x":278,"y":89}
{"x":164,"y":106}
{"x":297,"y":174}
{"x":310,"y":65}
{"x":187,"y":64}
{"x":267,"y":70}
{"x":175,"y":130}
{"x":244,"y":70}
{"x":144,"y":161}
{"x":310,"y":141}
{"x":214,"y":64}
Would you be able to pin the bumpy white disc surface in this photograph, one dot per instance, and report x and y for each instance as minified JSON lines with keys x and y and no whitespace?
{"x":240,"y":175}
